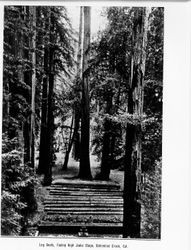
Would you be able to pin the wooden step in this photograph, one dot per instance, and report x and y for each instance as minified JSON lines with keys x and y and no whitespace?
{"x":81,"y":193}
{"x":96,"y":228}
{"x":81,"y":184}
{"x":84,"y":212}
{"x":96,"y":218}
{"x":70,"y":206}
{"x":85,"y":189}
{"x":113,"y":202}
{"x":44,"y":223}
{"x":110,"y":188}
{"x":83,"y":198}
{"x":80,"y":209}
{"x":82,"y":205}
{"x":101,"y":191}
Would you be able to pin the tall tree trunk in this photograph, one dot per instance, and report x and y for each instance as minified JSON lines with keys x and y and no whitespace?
{"x":76,"y":143}
{"x":50,"y":115}
{"x":106,"y":150}
{"x":115,"y":129}
{"x":112,"y":145}
{"x":26,"y":137}
{"x":79,"y":56}
{"x":43,"y":133}
{"x":50,"y":131}
{"x":105,"y":161}
{"x":85,"y":172}
{"x":76,"y":148}
{"x":20,"y":44}
{"x":70,"y":142}
{"x":6,"y":104}
{"x":132,"y":181}
{"x":32,"y":10}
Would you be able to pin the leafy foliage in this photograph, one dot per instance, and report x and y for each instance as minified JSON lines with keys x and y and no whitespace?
{"x":152,"y":203}
{"x":110,"y":78}
{"x":83,"y":218}
{"x":110,"y":75}
{"x":17,"y":180}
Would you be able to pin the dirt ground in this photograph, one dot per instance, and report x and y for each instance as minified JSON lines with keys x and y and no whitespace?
{"x":116,"y":175}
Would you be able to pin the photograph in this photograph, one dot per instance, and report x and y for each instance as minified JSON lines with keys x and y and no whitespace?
{"x":82,"y":119}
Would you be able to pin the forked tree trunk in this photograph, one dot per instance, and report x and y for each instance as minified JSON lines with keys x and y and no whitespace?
{"x":85,"y":172}
{"x":132,"y":182}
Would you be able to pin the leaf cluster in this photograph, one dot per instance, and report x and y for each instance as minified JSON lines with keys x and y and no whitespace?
{"x":151,"y":196}
{"x":110,"y":78}
{"x":17,"y":180}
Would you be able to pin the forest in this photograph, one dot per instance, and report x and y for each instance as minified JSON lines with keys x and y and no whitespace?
{"x":90,"y":109}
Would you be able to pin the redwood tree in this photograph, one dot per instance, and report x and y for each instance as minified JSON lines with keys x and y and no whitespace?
{"x":132,"y":182}
{"x":76,"y":148}
{"x":32,"y":10}
{"x":43,"y":133}
{"x":50,"y":115}
{"x":85,"y":172}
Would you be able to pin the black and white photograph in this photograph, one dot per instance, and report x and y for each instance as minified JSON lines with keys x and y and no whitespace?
{"x":82,"y":121}
{"x":87,"y":109}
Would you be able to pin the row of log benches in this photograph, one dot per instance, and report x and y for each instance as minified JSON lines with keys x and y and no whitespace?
{"x":82,"y":208}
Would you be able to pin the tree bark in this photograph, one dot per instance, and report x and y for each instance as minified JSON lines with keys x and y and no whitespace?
{"x":50,"y":115}
{"x":132,"y":181}
{"x":70,"y":142}
{"x":19,"y":48}
{"x":44,"y":107}
{"x":76,"y":148}
{"x":33,"y":82}
{"x":79,"y":56}
{"x":85,"y":172}
{"x":76,"y":143}
{"x":106,"y":149}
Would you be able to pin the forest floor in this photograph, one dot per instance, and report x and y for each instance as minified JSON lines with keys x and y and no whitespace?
{"x":59,"y":175}
{"x":116,"y":176}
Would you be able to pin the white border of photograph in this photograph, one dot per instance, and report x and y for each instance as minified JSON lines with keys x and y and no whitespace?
{"x":176,"y":173}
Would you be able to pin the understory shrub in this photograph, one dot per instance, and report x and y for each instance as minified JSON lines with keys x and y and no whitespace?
{"x":18,"y":181}
{"x":151,"y":206}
